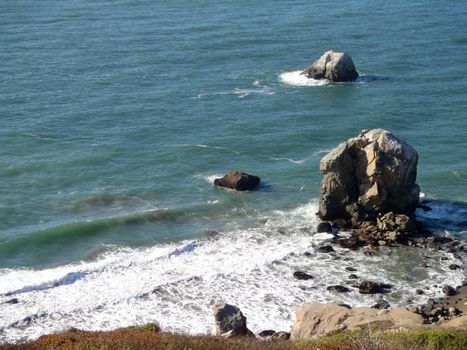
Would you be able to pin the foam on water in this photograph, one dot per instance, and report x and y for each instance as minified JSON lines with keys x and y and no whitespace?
{"x":296,"y":78}
{"x":177,"y":284}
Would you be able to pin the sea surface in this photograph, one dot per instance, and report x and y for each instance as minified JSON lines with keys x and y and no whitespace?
{"x":116,"y":116}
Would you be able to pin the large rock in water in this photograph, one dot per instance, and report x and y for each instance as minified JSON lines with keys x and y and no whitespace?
{"x":333,"y":66}
{"x":238,"y":181}
{"x":368,"y":175}
{"x":230,"y":321}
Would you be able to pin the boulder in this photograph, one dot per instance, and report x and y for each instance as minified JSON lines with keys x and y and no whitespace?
{"x":338,"y":289}
{"x":324,"y":227}
{"x":315,"y":320}
{"x":369,"y":287}
{"x":325,"y":249}
{"x":230,"y":321}
{"x":300,"y":275}
{"x":238,"y":181}
{"x":333,"y":66}
{"x":369,"y":175}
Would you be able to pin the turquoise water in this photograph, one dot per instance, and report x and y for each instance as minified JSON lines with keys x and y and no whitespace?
{"x":115,"y":117}
{"x":103,"y":105}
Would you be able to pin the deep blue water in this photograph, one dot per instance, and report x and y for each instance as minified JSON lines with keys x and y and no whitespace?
{"x":111,"y":109}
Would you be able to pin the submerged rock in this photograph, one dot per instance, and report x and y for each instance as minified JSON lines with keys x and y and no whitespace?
{"x":300,"y":275}
{"x":333,"y":66}
{"x":325,"y":249}
{"x":369,"y":287}
{"x":371,"y":174}
{"x":238,"y":181}
{"x":230,"y":321}
{"x":338,"y":289}
{"x":324,"y":227}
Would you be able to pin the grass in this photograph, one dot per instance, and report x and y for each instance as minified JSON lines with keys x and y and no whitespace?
{"x":149,"y":337}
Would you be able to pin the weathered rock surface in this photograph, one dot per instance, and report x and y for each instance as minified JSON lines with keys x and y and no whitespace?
{"x":230,"y":321}
{"x":238,"y":181}
{"x":367,"y":176}
{"x":314,"y":320}
{"x":333,"y":66}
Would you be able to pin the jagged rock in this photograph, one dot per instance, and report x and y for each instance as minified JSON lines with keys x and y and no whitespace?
{"x":300,"y":275}
{"x":324,"y":227}
{"x":338,"y":289}
{"x":333,"y":66}
{"x":325,"y":249}
{"x":369,"y":287}
{"x":230,"y":321}
{"x":238,"y":181}
{"x":371,"y":174}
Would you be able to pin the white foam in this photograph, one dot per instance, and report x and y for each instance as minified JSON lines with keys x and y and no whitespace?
{"x":177,"y":284}
{"x":297,"y":79}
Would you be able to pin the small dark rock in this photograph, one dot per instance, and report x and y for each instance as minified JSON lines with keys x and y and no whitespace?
{"x":12,"y":301}
{"x":238,"y":181}
{"x":338,"y":289}
{"x":307,"y":254}
{"x":353,"y":276}
{"x":300,"y":275}
{"x":342,"y":224}
{"x":281,"y":336}
{"x":448,"y":290}
{"x":454,"y":267}
{"x":266,"y":333}
{"x":424,"y":207}
{"x":419,"y":292}
{"x":369,"y":287}
{"x":350,"y":269}
{"x":381,"y":304}
{"x":324,"y":227}
{"x":325,"y":249}
{"x":350,"y":243}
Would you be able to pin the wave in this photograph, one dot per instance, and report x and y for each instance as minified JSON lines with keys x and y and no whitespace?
{"x":258,"y":89}
{"x":177,"y":284}
{"x":296,"y":78}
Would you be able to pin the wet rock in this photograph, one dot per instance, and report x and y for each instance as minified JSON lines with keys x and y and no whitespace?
{"x":448,"y":290}
{"x":333,"y":66}
{"x":230,"y":321}
{"x":454,"y":267}
{"x":381,"y":304}
{"x":325,"y":249}
{"x":369,"y":287}
{"x":353,"y":276}
{"x":324,"y":227}
{"x":350,"y":269}
{"x":238,"y":181}
{"x":12,"y":301}
{"x":338,"y":289}
{"x":350,"y":243}
{"x":300,"y":275}
{"x":419,"y":292}
{"x":371,"y":174}
{"x":341,"y":224}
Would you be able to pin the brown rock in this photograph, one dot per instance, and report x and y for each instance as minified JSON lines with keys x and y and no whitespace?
{"x":238,"y":181}
{"x":369,"y":287}
{"x":338,"y":289}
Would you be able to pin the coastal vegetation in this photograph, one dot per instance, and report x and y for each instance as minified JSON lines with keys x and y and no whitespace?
{"x":149,"y":337}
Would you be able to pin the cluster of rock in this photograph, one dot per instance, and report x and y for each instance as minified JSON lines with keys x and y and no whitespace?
{"x":231,"y":323}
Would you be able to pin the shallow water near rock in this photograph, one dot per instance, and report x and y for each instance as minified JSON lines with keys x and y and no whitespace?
{"x":117,"y":117}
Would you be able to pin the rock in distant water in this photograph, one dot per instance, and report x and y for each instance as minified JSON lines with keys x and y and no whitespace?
{"x":333,"y":66}
{"x":238,"y":181}
{"x":368,"y":175}
{"x":230,"y":321}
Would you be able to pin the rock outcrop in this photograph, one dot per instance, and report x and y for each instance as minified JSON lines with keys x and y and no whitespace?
{"x":367,"y":176}
{"x":238,"y":181}
{"x":333,"y":66}
{"x":230,"y":321}
{"x":315,"y":320}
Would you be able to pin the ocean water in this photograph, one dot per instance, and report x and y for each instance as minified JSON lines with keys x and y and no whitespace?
{"x":115,"y":117}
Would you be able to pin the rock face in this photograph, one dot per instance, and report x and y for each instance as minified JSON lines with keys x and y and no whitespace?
{"x":238,"y":181}
{"x":230,"y":321}
{"x":368,"y":175}
{"x":333,"y":66}
{"x":314,"y":320}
